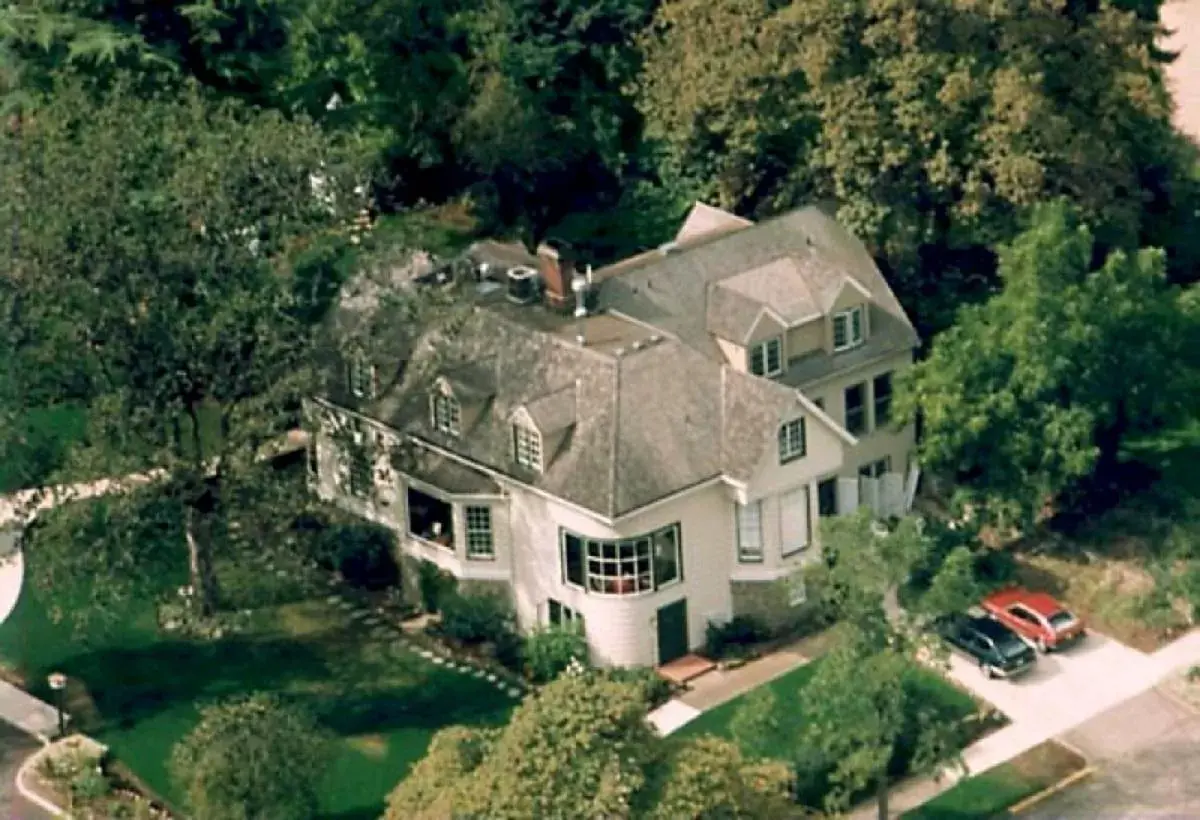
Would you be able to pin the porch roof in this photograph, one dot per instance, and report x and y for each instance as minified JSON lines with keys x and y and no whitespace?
{"x":449,"y":476}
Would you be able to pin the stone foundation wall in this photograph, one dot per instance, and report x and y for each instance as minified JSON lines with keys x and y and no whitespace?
{"x":767,"y":601}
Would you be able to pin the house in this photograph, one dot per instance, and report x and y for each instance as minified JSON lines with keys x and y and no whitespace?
{"x":646,"y":447}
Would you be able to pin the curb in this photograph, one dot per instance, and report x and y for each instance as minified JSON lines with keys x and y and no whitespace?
{"x":1050,"y":791}
{"x":28,"y":794}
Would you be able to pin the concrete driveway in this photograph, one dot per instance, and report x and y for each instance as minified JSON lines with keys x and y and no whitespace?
{"x":15,"y":746}
{"x":1146,"y":752}
{"x":1066,"y":687}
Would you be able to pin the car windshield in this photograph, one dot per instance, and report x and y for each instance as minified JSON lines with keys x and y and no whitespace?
{"x":1011,"y":647}
{"x":1061,"y":620}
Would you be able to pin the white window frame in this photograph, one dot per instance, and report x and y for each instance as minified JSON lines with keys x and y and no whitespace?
{"x":888,"y":398}
{"x":793,"y":440}
{"x":567,"y":616}
{"x":851,"y":319}
{"x":361,"y":377}
{"x":527,"y":447}
{"x":614,"y":567}
{"x":447,"y":414}
{"x":749,"y":525}
{"x":480,"y":534}
{"x":763,"y":350}
{"x":798,"y":541}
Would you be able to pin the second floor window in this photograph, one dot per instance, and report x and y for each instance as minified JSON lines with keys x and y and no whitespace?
{"x":882,"y":388}
{"x":856,"y":409}
{"x":750,"y":532}
{"x":447,"y":415}
{"x":527,"y":447}
{"x":792,"y":441}
{"x":766,"y":358}
{"x":848,"y":329}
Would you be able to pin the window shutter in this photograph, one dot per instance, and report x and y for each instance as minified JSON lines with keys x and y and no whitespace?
{"x":793,"y":520}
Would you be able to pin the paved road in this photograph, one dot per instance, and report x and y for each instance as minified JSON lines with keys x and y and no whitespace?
{"x":15,"y":746}
{"x":1146,"y":751}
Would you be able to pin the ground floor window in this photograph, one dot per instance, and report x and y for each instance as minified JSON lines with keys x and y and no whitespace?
{"x":750,"y":532}
{"x":559,"y":614}
{"x":827,"y":497}
{"x":625,"y":567}
{"x":793,"y":521}
{"x":876,"y":469}
{"x":480,"y":543}
{"x":430,"y":518}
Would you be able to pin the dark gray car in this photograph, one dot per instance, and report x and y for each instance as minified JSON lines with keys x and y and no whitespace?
{"x":999,"y":651}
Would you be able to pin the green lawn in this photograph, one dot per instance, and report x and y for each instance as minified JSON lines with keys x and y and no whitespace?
{"x":991,"y":793}
{"x":142,"y":689}
{"x":928,"y":688}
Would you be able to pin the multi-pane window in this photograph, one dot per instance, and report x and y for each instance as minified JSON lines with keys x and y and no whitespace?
{"x":750,"y":532}
{"x":792,"y":443}
{"x":560,"y":614}
{"x":361,"y":377}
{"x":527,"y":447}
{"x":848,"y":328}
{"x":856,"y":409}
{"x":626,"y":567}
{"x":793,"y":521}
{"x":361,"y":475}
{"x":766,"y":358}
{"x":447,"y":414}
{"x":827,"y":497}
{"x":480,"y":543}
{"x":882,"y":390}
{"x":876,"y":469}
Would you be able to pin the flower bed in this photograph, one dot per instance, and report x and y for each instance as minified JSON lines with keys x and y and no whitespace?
{"x":73,"y":774}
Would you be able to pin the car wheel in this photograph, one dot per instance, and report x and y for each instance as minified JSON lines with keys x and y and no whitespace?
{"x":1041,"y":645}
{"x":988,"y":671}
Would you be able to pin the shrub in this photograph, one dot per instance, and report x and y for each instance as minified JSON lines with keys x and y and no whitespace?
{"x":362,"y":553}
{"x":721,"y":639}
{"x":477,"y":618}
{"x":434,"y":584}
{"x":655,"y":688}
{"x":252,"y":757}
{"x":549,"y":651}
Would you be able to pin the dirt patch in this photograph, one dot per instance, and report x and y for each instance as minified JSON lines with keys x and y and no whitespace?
{"x":373,"y":746}
{"x":1049,"y":763}
{"x":1110,"y":594}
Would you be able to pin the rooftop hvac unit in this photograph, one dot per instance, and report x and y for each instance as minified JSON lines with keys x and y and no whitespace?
{"x":523,"y":285}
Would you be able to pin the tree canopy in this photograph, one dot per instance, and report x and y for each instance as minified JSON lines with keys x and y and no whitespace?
{"x":148,"y":256}
{"x":579,"y":747}
{"x":1038,"y":388}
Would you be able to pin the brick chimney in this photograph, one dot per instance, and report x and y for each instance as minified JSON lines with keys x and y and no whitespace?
{"x":556,"y":276}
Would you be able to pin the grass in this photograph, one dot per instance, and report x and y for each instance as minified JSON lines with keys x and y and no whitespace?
{"x":790,"y":717}
{"x":991,"y":793}
{"x":137,"y":690}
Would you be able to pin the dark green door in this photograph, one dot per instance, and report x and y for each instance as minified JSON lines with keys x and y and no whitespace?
{"x":672,"y":631}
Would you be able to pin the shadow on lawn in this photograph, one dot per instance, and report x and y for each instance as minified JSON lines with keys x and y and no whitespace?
{"x":129,"y":685}
{"x":443,"y":700}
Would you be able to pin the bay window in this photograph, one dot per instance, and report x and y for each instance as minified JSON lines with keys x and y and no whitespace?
{"x":629,"y":566}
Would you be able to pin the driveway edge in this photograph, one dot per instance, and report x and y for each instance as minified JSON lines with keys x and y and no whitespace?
{"x":28,"y":794}
{"x":1068,"y":781}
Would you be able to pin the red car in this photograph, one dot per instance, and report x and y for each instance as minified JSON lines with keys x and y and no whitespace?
{"x":1035,"y":616}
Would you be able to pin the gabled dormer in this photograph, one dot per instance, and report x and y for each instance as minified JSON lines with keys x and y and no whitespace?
{"x":541,"y":427}
{"x":459,"y":398}
{"x":848,"y":315}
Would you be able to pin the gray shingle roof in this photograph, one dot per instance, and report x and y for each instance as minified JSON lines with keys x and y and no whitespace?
{"x":673,"y":290}
{"x":647,"y":423}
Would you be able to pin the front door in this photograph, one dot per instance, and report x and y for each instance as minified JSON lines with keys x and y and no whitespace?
{"x":672,"y":631}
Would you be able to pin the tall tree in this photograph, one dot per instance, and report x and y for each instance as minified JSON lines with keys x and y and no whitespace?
{"x":581,"y":747}
{"x":548,"y":129}
{"x":153,"y":242}
{"x":863,"y":716}
{"x":1039,"y":387}
{"x":934,"y":125}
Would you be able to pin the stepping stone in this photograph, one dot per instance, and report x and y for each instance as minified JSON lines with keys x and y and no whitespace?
{"x":345,"y":604}
{"x":491,"y":678}
{"x":439,"y":660}
{"x":479,"y":673}
{"x":426,"y":654}
{"x":333,"y":599}
{"x":513,"y":693}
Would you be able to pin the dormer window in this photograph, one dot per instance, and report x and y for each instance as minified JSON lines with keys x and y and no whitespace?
{"x":766,"y":358}
{"x":527,"y":447}
{"x":793,"y":441}
{"x":361,"y":377}
{"x":447,"y":414}
{"x":848,"y":329}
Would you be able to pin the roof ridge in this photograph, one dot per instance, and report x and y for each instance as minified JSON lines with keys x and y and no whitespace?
{"x":614,"y":446}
